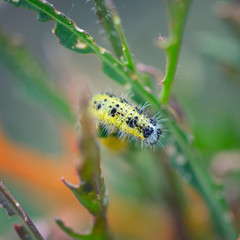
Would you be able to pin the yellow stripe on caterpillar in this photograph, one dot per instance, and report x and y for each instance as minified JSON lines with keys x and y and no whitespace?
{"x":117,"y":114}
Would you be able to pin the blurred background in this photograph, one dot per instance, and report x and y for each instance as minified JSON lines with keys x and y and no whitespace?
{"x":38,"y":129}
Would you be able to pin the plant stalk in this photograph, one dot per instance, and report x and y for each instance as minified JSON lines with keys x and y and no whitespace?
{"x":177,"y":11}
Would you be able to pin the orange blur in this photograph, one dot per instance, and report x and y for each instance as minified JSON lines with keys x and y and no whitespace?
{"x":36,"y":169}
{"x":41,"y":173}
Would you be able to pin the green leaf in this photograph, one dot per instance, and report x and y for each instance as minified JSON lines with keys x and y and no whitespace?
{"x":76,"y":39}
{"x":91,"y":191}
{"x":182,"y":166}
{"x":26,"y":231}
{"x":191,"y":169}
{"x":87,"y":195}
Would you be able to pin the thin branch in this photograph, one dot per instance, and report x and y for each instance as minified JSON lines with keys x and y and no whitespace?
{"x":106,"y":19}
{"x":110,"y":19}
{"x":25,"y":231}
{"x":177,"y":12}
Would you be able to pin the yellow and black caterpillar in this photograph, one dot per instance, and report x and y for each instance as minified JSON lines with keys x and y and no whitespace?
{"x":117,"y":114}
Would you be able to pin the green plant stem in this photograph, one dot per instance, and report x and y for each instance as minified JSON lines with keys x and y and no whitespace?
{"x":206,"y":185}
{"x":219,"y":212}
{"x":106,"y":19}
{"x":177,"y":217}
{"x":127,"y":53}
{"x":174,"y":197}
{"x":91,"y":190}
{"x":115,"y":20}
{"x":177,"y":12}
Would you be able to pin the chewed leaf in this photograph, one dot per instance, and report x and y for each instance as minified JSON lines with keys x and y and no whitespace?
{"x":64,"y":32}
{"x":91,"y":191}
{"x":26,"y":231}
{"x":76,"y":39}
{"x":86,"y":194}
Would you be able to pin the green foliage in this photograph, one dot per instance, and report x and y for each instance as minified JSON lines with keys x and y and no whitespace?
{"x":76,"y":39}
{"x":211,"y":45}
{"x":184,"y":159}
{"x":105,"y":17}
{"x":91,"y":190}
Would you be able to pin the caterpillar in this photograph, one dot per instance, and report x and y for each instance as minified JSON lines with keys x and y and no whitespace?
{"x":117,"y":114}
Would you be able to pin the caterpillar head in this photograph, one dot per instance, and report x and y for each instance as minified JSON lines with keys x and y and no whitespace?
{"x":152,"y":134}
